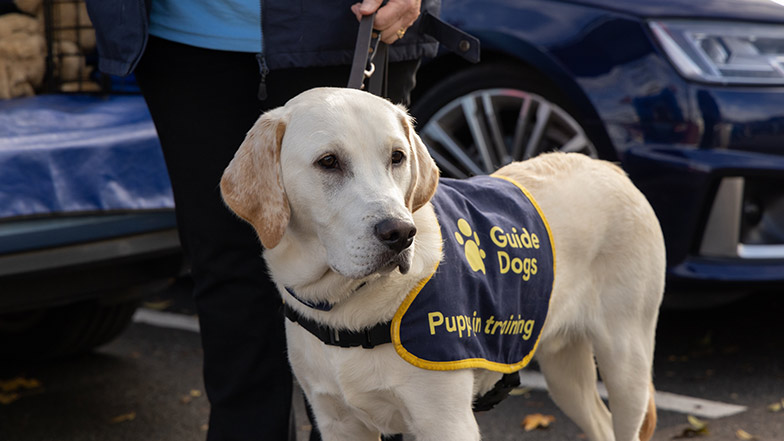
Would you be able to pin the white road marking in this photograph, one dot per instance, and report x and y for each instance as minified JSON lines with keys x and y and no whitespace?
{"x":664,"y":400}
{"x":528,"y":379}
{"x":166,"y":319}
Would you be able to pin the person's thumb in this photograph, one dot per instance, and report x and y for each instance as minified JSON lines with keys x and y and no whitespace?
{"x":368,"y":7}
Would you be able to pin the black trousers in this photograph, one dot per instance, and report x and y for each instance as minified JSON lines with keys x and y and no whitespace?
{"x":202,"y":103}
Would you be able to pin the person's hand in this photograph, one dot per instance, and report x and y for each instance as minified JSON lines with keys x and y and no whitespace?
{"x":392,"y":20}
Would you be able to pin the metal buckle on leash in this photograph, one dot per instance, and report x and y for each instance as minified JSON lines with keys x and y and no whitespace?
{"x":370,"y":67}
{"x":368,"y":45}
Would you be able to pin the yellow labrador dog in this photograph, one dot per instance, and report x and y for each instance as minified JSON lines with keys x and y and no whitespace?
{"x":338,"y":186}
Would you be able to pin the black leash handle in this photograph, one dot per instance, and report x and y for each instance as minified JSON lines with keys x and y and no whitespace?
{"x":371,"y":55}
{"x":370,"y":59}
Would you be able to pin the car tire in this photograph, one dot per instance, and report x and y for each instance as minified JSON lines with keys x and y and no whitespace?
{"x":63,"y":330}
{"x":485,"y":116}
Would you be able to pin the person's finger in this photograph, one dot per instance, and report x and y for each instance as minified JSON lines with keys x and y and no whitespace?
{"x":398,"y":14}
{"x":355,"y":10}
{"x":368,"y":7}
{"x":394,"y":32}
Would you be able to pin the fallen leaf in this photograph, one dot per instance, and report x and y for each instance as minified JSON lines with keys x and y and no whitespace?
{"x":696,"y":423}
{"x":194,"y":393}
{"x":19,"y":383}
{"x":10,"y":389}
{"x":707,"y":340}
{"x":536,"y":421}
{"x":158,"y":306}
{"x":516,"y":392}
{"x":742,"y":434}
{"x":8,"y":397}
{"x":777,"y":406}
{"x":130,"y":416}
{"x":698,"y":428}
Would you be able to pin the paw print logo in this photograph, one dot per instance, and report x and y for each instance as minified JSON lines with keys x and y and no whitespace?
{"x":467,"y":237}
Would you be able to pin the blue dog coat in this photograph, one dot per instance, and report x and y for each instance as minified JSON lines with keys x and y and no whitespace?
{"x":487,"y":301}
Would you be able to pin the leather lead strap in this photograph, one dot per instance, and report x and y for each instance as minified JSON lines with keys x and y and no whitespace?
{"x":362,"y":65}
{"x":377,"y":85}
{"x":450,"y":37}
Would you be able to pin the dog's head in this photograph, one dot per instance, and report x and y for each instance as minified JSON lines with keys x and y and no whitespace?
{"x":339,"y":172}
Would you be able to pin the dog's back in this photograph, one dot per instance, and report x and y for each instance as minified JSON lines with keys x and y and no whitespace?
{"x":610,"y":266}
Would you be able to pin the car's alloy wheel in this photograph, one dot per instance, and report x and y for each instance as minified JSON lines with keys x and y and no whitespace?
{"x":485,"y":117}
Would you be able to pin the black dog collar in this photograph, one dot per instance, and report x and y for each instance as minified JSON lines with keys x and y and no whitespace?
{"x":320,"y":306}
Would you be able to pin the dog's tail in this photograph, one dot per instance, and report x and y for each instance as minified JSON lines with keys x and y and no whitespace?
{"x":649,"y":423}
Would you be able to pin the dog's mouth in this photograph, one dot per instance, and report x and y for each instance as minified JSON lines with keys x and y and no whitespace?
{"x":401,"y":261}
{"x":386,"y":264}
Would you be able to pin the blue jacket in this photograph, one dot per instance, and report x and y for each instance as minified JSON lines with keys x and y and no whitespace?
{"x":486,"y":303}
{"x":302,"y":33}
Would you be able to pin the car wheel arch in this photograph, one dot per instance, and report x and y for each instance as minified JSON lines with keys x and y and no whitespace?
{"x":506,"y":49}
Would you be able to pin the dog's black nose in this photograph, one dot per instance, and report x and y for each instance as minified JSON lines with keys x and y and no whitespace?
{"x":395,"y":233}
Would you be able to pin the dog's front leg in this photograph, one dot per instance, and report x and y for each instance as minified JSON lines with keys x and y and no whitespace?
{"x":337,"y":422}
{"x":439,"y":405}
{"x":459,"y":426}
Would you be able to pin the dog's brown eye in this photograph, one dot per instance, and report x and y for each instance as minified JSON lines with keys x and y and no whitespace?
{"x":397,"y":157}
{"x":329,"y":162}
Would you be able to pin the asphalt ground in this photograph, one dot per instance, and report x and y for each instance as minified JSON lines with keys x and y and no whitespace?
{"x":147,"y":384}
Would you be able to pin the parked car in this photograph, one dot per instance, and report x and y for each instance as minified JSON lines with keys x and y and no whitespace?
{"x":87,"y":226}
{"x":687,"y":96}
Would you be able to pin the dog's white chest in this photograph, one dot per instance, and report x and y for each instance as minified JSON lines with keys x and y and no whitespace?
{"x":364,"y":382}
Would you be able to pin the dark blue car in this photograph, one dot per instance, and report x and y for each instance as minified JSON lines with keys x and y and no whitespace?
{"x":687,"y":96}
{"x":87,"y":224}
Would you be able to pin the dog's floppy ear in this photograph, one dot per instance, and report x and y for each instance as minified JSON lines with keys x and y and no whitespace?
{"x":424,"y":172}
{"x":252,"y":185}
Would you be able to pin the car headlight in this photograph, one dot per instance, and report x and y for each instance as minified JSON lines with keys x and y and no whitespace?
{"x":723,"y":52}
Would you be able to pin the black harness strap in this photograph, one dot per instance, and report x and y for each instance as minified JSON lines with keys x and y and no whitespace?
{"x":498,"y":393}
{"x":379,"y":335}
{"x":369,"y":338}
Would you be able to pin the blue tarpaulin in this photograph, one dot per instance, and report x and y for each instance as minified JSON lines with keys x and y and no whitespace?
{"x":79,"y":154}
